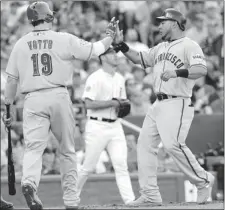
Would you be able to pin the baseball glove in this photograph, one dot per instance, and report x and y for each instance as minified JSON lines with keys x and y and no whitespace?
{"x":124,"y":107}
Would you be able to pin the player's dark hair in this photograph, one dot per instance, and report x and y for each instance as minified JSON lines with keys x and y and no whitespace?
{"x":38,"y":22}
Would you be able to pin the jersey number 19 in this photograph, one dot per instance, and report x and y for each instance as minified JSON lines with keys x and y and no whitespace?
{"x":46,"y":61}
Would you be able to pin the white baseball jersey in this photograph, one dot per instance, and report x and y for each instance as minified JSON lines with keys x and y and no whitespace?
{"x":99,"y":135}
{"x":39,"y":59}
{"x":169,"y":56}
{"x":103,"y":86}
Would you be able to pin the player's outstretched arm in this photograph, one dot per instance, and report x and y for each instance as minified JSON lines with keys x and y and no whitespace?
{"x":101,"y":46}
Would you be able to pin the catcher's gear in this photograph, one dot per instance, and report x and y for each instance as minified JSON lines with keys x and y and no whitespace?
{"x":175,"y":15}
{"x":124,"y":107}
{"x":40,"y":11}
{"x":111,"y":28}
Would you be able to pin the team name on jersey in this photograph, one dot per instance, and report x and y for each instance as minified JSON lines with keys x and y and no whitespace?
{"x":169,"y":57}
{"x":40,"y":44}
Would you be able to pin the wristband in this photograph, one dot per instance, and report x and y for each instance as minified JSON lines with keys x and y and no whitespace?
{"x":182,"y":73}
{"x":123,"y":47}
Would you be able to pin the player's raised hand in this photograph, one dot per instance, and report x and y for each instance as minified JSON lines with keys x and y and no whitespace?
{"x":165,"y":76}
{"x":119,"y":36}
{"x":112,"y":27}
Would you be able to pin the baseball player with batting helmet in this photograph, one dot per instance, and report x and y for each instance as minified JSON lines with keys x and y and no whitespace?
{"x":103,"y":94}
{"x":176,"y":63}
{"x":41,"y":63}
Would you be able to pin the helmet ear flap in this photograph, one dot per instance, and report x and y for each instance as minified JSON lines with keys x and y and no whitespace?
{"x":49,"y":18}
{"x":183,"y":23}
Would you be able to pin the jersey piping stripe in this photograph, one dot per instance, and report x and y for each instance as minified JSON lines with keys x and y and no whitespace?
{"x":90,"y":52}
{"x":41,"y":30}
{"x":40,"y":115}
{"x":180,"y":146}
{"x":199,"y":64}
{"x":165,"y":62}
{"x":14,"y":77}
{"x":142,"y":60}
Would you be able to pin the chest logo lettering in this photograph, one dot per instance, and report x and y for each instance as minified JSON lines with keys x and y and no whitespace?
{"x":177,"y":62}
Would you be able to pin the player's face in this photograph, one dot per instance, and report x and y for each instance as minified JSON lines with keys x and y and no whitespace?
{"x":165,"y":28}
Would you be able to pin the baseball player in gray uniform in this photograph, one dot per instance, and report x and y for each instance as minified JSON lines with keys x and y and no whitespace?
{"x":40,"y":63}
{"x":176,"y":63}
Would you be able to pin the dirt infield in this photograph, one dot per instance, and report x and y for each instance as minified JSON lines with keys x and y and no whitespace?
{"x":211,"y":205}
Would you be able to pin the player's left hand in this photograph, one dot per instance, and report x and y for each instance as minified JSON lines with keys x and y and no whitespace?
{"x":165,"y":76}
{"x":112,"y":28}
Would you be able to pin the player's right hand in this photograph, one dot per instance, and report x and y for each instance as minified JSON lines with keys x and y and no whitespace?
{"x":119,"y":36}
{"x":7,"y":121}
{"x":112,"y":28}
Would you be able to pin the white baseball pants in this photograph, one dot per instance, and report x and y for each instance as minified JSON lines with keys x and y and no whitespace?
{"x":103,"y":135}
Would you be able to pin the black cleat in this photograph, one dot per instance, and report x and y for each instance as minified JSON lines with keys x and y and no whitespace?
{"x":33,"y":202}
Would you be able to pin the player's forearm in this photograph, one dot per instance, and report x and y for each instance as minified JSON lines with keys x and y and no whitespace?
{"x":193,"y":73}
{"x":10,"y":90}
{"x":131,"y":54}
{"x":101,"y":46}
{"x":107,"y":41}
{"x":196,"y":72}
{"x":95,"y":104}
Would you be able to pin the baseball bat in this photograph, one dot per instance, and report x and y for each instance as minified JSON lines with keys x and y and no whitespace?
{"x":11,"y":170}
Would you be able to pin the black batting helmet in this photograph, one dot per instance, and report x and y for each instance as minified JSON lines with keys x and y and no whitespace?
{"x":40,"y":11}
{"x":174,"y":15}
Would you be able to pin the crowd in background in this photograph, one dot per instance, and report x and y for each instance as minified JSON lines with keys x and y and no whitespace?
{"x":88,"y":20}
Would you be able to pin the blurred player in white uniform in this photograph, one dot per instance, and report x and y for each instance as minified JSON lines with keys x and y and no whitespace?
{"x":177,"y":63}
{"x":103,"y":129}
{"x":41,"y":63}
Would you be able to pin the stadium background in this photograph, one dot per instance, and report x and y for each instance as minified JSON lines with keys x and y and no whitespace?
{"x":88,"y":20}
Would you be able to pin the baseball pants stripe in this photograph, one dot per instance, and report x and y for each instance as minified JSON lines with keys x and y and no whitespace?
{"x":180,"y":146}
